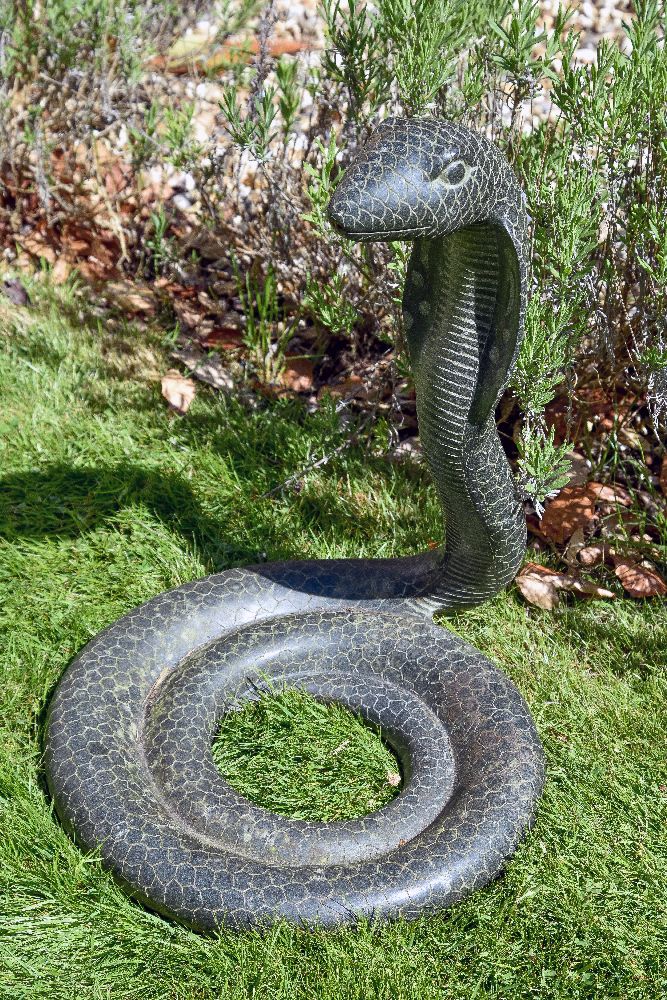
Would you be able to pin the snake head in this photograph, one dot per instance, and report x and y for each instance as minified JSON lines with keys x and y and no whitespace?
{"x":418,"y":178}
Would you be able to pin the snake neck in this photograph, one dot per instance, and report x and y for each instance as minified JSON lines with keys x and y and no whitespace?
{"x":463,"y":307}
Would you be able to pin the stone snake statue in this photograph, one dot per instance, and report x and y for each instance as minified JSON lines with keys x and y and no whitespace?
{"x":130,"y":726}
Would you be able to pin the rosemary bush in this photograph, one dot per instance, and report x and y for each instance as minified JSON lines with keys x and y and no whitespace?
{"x":592,"y":166}
{"x":592,"y":163}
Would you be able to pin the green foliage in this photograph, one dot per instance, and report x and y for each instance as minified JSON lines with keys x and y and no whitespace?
{"x":157,"y":242}
{"x":422,"y":37}
{"x":251,"y":128}
{"x":543,"y":466}
{"x":355,"y":59}
{"x":593,"y":169}
{"x":233,"y":15}
{"x":181,"y":148}
{"x":327,"y":304}
{"x":321,"y":183}
{"x":543,"y":356}
{"x":144,"y":140}
{"x":93,"y":31}
{"x":289,"y":93}
{"x":266,"y":333}
{"x":594,"y":176}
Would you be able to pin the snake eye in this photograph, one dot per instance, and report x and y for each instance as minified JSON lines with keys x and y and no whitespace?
{"x":454,"y":173}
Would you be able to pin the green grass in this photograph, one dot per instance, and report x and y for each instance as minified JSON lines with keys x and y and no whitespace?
{"x":301,"y":758}
{"x":108,"y":499}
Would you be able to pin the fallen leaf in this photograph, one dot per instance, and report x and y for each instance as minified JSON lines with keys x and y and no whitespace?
{"x":610,"y":494}
{"x":574,"y":546}
{"x":619,"y":523}
{"x":579,"y":468}
{"x":638,"y":580}
{"x":61,"y":271}
{"x":541,"y":586}
{"x":38,"y":247}
{"x":96,"y":271}
{"x":351,"y":386}
{"x":117,"y":177}
{"x":592,"y":410}
{"x":207,"y":368}
{"x":76,"y":241}
{"x":573,"y":508}
{"x":189,"y":316}
{"x":297,"y":375}
{"x":130,"y":296}
{"x":229,"y":338}
{"x":230,"y":54}
{"x":632,"y":438}
{"x":534,"y":528}
{"x":591,"y":555}
{"x":538,"y":586}
{"x":585,"y":588}
{"x":178,"y":390}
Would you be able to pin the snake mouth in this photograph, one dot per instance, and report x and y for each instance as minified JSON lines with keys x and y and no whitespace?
{"x":366,"y":236}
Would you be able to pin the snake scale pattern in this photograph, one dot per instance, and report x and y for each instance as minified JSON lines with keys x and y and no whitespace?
{"x":130,"y":726}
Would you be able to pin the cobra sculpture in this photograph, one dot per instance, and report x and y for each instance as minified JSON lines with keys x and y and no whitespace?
{"x":130,"y":726}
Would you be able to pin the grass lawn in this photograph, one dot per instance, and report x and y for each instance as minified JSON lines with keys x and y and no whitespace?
{"x":107,"y":499}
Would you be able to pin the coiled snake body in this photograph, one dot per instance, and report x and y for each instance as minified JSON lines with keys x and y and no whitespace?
{"x":129,"y":730}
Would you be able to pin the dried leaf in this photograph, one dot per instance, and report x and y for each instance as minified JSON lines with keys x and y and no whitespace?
{"x":611,"y":494}
{"x":574,"y":546}
{"x":178,"y":390}
{"x":130,"y":296}
{"x":189,"y":315}
{"x":579,"y":468}
{"x":632,"y":438}
{"x":297,"y":375}
{"x":76,"y":241}
{"x":573,"y":508}
{"x":117,"y":177}
{"x":538,"y":586}
{"x":188,"y":59}
{"x":534,"y":528}
{"x":95,"y":271}
{"x":591,"y":555}
{"x":541,"y":585}
{"x":229,"y":338}
{"x":38,"y":247}
{"x":351,"y":386}
{"x":585,"y":588}
{"x":638,"y":580}
{"x":207,"y":368}
{"x":61,"y":271}
{"x":619,"y":523}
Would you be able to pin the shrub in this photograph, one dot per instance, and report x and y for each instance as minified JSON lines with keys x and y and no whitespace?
{"x":588,"y":142}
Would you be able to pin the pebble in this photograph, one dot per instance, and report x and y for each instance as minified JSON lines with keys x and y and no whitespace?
{"x":302,"y":21}
{"x":181,"y":202}
{"x":182,"y":182}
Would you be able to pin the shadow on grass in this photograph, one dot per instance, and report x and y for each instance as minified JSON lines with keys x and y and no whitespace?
{"x":61,"y":501}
